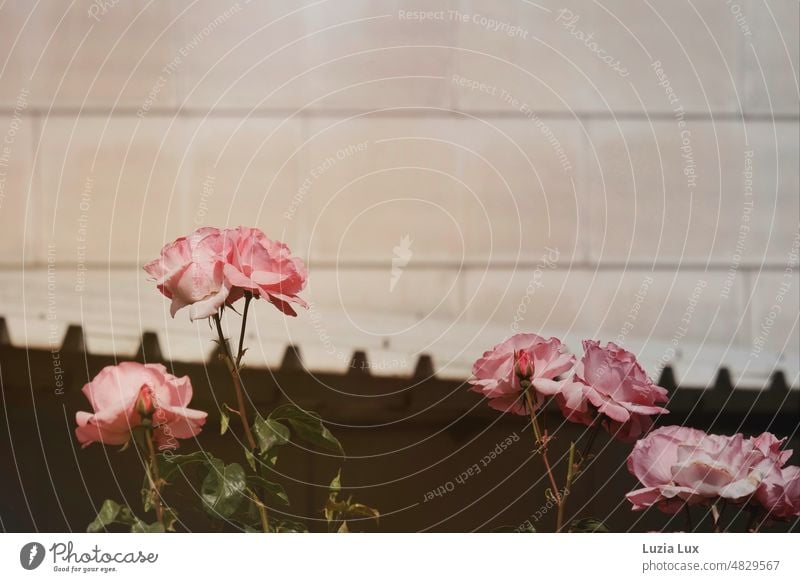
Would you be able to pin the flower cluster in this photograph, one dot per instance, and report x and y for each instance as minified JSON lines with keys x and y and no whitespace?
{"x":608,"y":386}
{"x":214,"y":267}
{"x":680,"y":465}
{"x":206,"y":271}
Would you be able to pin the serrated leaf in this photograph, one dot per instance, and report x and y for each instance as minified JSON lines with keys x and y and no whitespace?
{"x":270,"y":433}
{"x":108,"y":514}
{"x":224,"y":422}
{"x":273,"y":490}
{"x":588,"y":525}
{"x":112,"y":513}
{"x":308,"y":426}
{"x":168,"y":465}
{"x":223,"y":488}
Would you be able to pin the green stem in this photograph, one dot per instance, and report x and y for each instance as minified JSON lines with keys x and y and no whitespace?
{"x":541,"y":443}
{"x":262,"y":512}
{"x":563,"y":499}
{"x":595,"y":430}
{"x":689,"y":524}
{"x":237,"y":383}
{"x":248,"y":296}
{"x":154,"y":477}
{"x":755,"y":522}
{"x":233,"y":368}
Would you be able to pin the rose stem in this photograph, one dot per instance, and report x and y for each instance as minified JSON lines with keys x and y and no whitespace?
{"x":248,"y":296}
{"x":237,"y":382}
{"x":595,"y":430}
{"x":688,"y":511}
{"x":155,"y":477}
{"x":563,"y":499}
{"x":541,"y":442}
{"x":715,"y":517}
{"x":754,"y":524}
{"x":723,"y":506}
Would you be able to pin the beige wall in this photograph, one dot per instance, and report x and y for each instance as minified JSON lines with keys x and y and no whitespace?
{"x":534,"y":179}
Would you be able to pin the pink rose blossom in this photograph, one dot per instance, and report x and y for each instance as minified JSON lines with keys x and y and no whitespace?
{"x":525,"y":355}
{"x":264,"y":267}
{"x":190,"y":272}
{"x":651,"y":462}
{"x":771,"y":446}
{"x":779,"y":493}
{"x":121,"y":396}
{"x":680,"y":465}
{"x":610,"y":382}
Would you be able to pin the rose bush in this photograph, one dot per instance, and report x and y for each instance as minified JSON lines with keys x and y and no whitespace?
{"x":208,"y":271}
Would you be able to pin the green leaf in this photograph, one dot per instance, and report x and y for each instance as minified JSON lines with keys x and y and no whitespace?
{"x":308,"y":427}
{"x":289,"y":527}
{"x":361,"y":510}
{"x":341,"y":510}
{"x":224,"y":422}
{"x":270,"y":433}
{"x":168,"y":465}
{"x":223,"y":488}
{"x":112,"y":513}
{"x":274,"y":491}
{"x":333,"y":493}
{"x":141,"y":527}
{"x":588,"y":525}
{"x":108,"y":514}
{"x":148,"y":502}
{"x":335,"y":486}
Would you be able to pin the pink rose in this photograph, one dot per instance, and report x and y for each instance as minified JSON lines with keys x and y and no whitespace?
{"x":771,"y":446}
{"x":677,"y":465}
{"x":122,"y":396}
{"x":651,"y":462}
{"x":525,"y":355}
{"x":190,"y":272}
{"x":264,"y":267}
{"x":610,"y":382}
{"x":779,"y":493}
